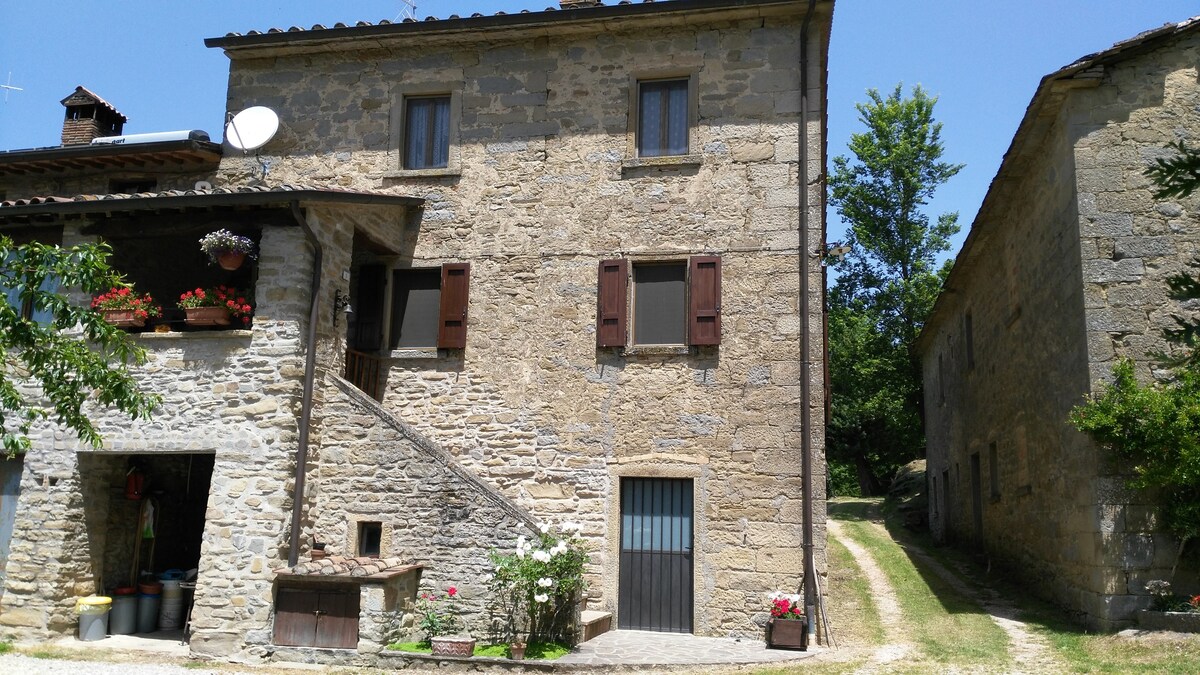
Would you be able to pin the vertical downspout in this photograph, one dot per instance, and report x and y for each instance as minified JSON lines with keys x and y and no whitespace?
{"x":310,"y":367}
{"x":810,"y":594}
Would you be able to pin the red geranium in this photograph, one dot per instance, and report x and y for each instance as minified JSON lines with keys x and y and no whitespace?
{"x":123,"y":298}
{"x":231,"y":299}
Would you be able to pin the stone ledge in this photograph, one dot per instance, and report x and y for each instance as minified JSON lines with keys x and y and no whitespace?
{"x":1180,"y":622}
{"x":414,"y":353}
{"x":657,"y":350}
{"x":466,"y":663}
{"x":195,"y":335}
{"x":667,"y":161}
{"x":423,"y":173}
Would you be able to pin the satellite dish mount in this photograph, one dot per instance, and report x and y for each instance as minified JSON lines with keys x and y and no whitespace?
{"x":250,"y":130}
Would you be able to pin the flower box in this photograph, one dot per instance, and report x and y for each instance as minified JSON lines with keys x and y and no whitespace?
{"x":206,"y":316}
{"x":123,"y":318}
{"x":788,"y":634}
{"x":1180,"y":622}
{"x":452,"y":646}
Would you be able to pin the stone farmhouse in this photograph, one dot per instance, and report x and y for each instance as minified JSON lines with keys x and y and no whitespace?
{"x":1063,"y":272}
{"x":516,"y":269}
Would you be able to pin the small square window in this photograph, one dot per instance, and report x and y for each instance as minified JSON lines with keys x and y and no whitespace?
{"x":662,"y":127}
{"x":370,"y":538}
{"x":426,"y":132}
{"x":660,"y":304}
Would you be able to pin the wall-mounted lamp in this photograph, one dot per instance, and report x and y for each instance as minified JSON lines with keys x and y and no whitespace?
{"x":341,"y":303}
{"x":837,"y":250}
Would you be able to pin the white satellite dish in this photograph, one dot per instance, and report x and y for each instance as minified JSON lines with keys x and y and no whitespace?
{"x":252,"y":128}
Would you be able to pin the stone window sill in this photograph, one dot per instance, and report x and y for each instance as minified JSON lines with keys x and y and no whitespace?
{"x":657,"y":350}
{"x":666,"y":161}
{"x":452,"y":172}
{"x":414,"y":353}
{"x":226,"y":334}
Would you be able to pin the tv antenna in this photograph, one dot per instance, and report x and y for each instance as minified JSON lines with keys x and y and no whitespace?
{"x":8,"y":86}
{"x":409,"y":11}
{"x":251,"y":129}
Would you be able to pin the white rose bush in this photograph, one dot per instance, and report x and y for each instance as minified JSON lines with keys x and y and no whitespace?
{"x":536,"y":586}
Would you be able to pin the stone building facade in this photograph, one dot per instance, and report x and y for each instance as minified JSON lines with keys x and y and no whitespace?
{"x":1063,"y":272}
{"x":538,"y":178}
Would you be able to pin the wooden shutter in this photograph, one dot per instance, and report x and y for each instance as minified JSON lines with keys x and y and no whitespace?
{"x":704,"y":300}
{"x":612,"y":299}
{"x":295,"y":617}
{"x":452,"y":320}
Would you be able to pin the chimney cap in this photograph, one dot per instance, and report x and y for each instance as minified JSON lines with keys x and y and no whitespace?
{"x":83,"y":96}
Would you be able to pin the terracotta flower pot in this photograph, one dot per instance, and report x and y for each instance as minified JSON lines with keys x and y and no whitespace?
{"x":517,"y":649}
{"x":123,"y":318}
{"x":452,"y":646}
{"x":788,"y":634}
{"x":231,"y":260}
{"x":206,"y":316}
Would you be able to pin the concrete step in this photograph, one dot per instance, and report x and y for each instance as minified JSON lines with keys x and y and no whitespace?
{"x":594,"y":623}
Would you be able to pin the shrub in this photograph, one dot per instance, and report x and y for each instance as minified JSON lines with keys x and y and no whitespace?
{"x":537,"y":586}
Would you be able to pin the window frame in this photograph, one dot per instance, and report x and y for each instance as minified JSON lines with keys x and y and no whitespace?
{"x":691,"y":154}
{"x":616,"y":303}
{"x":452,"y":339}
{"x":398,"y":122}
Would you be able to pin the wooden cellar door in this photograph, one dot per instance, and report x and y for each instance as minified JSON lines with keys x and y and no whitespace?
{"x":317,"y":617}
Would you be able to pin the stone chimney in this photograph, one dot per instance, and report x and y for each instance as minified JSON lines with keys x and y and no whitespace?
{"x":575,"y":4}
{"x":88,"y":117}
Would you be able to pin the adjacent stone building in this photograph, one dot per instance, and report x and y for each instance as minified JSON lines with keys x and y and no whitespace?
{"x":1063,"y":272}
{"x":515,"y":269}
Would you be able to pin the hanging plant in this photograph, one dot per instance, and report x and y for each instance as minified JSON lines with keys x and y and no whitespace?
{"x":228,"y":249}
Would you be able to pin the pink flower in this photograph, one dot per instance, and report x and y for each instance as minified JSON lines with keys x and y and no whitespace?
{"x":452,"y":591}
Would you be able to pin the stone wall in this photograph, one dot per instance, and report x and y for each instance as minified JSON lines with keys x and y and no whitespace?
{"x":542,"y":185}
{"x":1066,"y":272}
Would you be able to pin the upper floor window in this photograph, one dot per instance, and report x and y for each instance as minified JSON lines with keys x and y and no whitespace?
{"x":662,"y":114}
{"x":426,"y":132}
{"x":673,"y":302}
{"x":25,"y":306}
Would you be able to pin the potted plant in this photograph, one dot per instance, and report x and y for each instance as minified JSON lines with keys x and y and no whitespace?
{"x":516,"y":650}
{"x":227,"y":249}
{"x":1170,"y":611}
{"x":123,"y":308}
{"x":788,"y":627}
{"x":215,"y":306}
{"x":437,"y":615}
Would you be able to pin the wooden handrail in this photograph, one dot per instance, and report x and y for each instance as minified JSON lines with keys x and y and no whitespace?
{"x":365,"y":371}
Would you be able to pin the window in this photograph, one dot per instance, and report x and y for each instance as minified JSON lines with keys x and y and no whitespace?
{"x":25,"y":306}
{"x":662,"y":114}
{"x":370,"y":536}
{"x":426,"y":132}
{"x":673,"y":302}
{"x":429,"y":307}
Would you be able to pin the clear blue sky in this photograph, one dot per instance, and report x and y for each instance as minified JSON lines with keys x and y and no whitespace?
{"x":982,"y":59}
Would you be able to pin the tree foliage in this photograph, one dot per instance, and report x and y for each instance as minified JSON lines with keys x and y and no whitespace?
{"x":72,"y":355}
{"x":888,"y":283}
{"x":1155,"y":427}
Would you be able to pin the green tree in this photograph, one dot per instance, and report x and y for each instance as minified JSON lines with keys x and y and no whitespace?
{"x":1155,"y":427}
{"x":888,"y":283}
{"x":71,"y":354}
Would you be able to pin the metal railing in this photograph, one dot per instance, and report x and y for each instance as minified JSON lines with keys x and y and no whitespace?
{"x":365,"y":371}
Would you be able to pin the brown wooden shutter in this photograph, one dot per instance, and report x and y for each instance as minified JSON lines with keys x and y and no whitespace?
{"x":612,"y":300}
{"x":704,"y":300}
{"x":452,"y":319}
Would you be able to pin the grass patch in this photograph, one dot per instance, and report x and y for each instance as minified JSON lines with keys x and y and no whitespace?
{"x":494,"y":651}
{"x":44,"y":654}
{"x":412,"y":647}
{"x":5,"y":647}
{"x":949,"y":628}
{"x":547,"y":651}
{"x":814,"y":667}
{"x":853,"y":615}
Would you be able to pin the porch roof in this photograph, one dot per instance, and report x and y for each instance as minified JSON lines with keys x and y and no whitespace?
{"x":40,"y":209}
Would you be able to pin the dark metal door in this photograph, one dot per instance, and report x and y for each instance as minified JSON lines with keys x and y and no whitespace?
{"x":10,"y":489}
{"x":655,"y":585}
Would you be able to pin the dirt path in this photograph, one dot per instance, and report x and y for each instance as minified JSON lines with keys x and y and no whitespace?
{"x":890,"y":614}
{"x":1029,"y":651}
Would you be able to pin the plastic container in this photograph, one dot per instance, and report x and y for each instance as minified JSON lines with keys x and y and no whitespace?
{"x":123,"y":618}
{"x":93,"y":617}
{"x":170,"y":613}
{"x":147,"y":612}
{"x":171,"y":575}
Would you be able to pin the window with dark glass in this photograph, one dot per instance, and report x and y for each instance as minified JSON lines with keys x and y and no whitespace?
{"x":662,"y":118}
{"x":370,"y":536}
{"x":426,"y":132}
{"x":429,"y":307}
{"x":660,"y":304}
{"x":25,"y":306}
{"x":673,"y":302}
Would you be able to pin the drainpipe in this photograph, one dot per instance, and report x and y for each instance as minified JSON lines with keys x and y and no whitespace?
{"x":810,"y":595}
{"x":310,"y":368}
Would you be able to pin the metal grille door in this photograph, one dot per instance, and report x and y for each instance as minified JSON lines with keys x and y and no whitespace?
{"x":655,"y":587}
